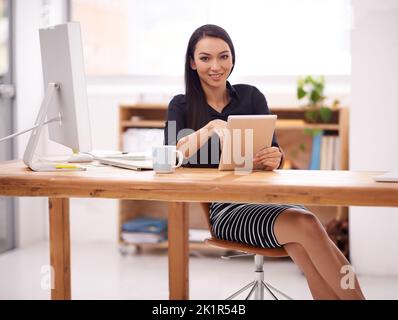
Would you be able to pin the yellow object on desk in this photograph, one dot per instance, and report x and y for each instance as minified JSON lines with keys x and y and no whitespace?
{"x":68,"y":166}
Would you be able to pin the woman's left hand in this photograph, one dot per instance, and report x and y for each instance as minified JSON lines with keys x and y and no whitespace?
{"x":270,"y":158}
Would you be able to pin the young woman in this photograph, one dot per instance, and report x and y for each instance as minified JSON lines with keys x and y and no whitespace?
{"x":195,"y":124}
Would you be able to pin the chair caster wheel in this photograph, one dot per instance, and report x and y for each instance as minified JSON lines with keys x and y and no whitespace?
{"x":123,"y":250}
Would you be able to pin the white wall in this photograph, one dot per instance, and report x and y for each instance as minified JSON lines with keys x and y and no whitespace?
{"x":29,"y":16}
{"x":30,"y":217}
{"x":374,"y":129}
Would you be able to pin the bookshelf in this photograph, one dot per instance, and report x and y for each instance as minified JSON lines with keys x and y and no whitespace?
{"x":290,"y":130}
{"x":152,"y":116}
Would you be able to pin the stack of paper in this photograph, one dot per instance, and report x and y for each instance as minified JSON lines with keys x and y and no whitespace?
{"x":142,"y":140}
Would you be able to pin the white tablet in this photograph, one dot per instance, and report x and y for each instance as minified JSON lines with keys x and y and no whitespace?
{"x":246,"y":135}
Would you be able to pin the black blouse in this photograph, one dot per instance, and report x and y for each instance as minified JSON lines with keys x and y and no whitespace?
{"x":244,"y":100}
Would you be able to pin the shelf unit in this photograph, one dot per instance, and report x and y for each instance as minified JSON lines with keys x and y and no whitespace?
{"x":290,"y":132}
{"x":152,"y":116}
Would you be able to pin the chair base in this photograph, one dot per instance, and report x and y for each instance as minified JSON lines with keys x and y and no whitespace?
{"x":257,"y":288}
{"x":258,"y":285}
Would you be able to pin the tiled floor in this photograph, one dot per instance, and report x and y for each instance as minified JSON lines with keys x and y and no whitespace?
{"x":100,"y":272}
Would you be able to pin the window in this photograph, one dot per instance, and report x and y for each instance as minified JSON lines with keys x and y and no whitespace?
{"x":271,"y":37}
{"x":4,"y":59}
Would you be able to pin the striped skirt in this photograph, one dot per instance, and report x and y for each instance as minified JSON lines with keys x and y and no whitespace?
{"x":247,"y":223}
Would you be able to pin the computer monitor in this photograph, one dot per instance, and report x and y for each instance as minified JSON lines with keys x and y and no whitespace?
{"x":65,"y":103}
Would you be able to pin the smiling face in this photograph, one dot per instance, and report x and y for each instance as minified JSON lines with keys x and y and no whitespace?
{"x":213,"y":61}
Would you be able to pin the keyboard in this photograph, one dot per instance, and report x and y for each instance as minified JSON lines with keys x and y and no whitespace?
{"x":129,"y":157}
{"x":127,"y":163}
{"x":119,"y":155}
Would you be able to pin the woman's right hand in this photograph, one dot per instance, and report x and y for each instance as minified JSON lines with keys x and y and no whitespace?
{"x":188,"y":145}
{"x":215,"y":126}
{"x":218,"y":127}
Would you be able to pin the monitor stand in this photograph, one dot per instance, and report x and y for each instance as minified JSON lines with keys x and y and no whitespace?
{"x":29,"y":155}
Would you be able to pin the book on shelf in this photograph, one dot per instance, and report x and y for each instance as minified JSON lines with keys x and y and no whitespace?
{"x":337,"y":153}
{"x":145,"y":224}
{"x":316,"y":151}
{"x":144,"y":230}
{"x":325,"y":154}
{"x":329,"y":153}
{"x":324,"y":151}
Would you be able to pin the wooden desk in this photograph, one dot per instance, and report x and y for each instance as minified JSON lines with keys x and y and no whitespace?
{"x":185,"y":185}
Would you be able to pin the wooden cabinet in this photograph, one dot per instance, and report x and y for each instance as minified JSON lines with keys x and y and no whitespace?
{"x":290,"y":130}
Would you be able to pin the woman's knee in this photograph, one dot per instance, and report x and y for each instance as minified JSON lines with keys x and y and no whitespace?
{"x":305,"y":222}
{"x":297,"y":225}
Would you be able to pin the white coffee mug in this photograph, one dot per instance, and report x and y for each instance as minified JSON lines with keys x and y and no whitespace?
{"x":164,"y":159}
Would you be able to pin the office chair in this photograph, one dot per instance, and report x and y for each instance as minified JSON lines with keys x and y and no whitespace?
{"x":258,"y":285}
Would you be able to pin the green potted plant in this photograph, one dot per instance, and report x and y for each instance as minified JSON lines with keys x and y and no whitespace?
{"x":312,"y":90}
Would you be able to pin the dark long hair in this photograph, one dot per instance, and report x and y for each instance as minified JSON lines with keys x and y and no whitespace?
{"x":196,"y":99}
